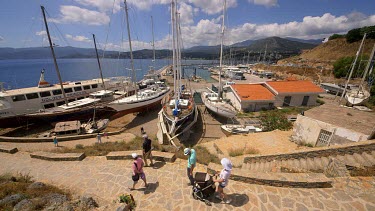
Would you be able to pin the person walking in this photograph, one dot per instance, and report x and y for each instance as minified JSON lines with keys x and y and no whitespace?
{"x":137,"y":168}
{"x":223,"y":180}
{"x":99,"y":138}
{"x":192,"y":160}
{"x":55,"y":141}
{"x":147,"y":148}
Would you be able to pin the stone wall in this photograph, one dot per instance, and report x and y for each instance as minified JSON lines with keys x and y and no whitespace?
{"x":365,"y":146}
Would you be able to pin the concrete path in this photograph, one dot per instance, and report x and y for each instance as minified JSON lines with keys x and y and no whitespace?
{"x":169,"y":191}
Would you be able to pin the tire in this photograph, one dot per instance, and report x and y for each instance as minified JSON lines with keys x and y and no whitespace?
{"x":194,"y":195}
{"x":207,"y":202}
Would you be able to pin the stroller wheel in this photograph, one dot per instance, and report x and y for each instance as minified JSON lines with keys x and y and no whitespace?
{"x":207,"y":202}
{"x":194,"y":195}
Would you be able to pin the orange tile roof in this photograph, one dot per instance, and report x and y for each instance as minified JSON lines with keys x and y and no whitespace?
{"x":294,"y":86}
{"x":253,"y":92}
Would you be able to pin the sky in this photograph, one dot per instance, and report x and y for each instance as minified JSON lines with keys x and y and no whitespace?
{"x":72,"y":22}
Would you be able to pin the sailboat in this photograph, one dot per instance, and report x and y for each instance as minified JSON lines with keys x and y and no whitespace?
{"x":142,"y":99}
{"x":360,"y":95}
{"x":76,"y":109}
{"x":179,"y":112}
{"x":214,"y":101}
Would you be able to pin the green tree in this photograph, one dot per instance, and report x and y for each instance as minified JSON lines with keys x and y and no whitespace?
{"x":273,"y":120}
{"x":354,"y":35}
{"x":342,"y":66}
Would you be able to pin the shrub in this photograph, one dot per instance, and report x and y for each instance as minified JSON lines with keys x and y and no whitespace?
{"x":251,"y":151}
{"x":203,"y":155}
{"x":354,"y":35}
{"x":321,"y":102}
{"x":235,"y":152}
{"x":79,"y":146}
{"x":274,"y":120}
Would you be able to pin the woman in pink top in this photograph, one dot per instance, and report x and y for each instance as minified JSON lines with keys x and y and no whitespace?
{"x":137,"y":168}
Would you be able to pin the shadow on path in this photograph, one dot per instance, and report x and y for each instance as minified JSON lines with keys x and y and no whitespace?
{"x":151,"y":187}
{"x":158,"y":164}
{"x":238,"y":200}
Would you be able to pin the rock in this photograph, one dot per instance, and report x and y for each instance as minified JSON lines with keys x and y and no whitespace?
{"x":87,"y":202}
{"x":66,"y":206}
{"x":24,"y":205}
{"x":123,"y":207}
{"x":56,"y":198}
{"x":36,"y":185}
{"x":12,"y":200}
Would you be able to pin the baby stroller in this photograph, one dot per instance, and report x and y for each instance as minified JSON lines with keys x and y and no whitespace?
{"x":204,"y":187}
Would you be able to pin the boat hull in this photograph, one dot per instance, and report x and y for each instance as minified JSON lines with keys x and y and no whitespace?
{"x":217,"y":109}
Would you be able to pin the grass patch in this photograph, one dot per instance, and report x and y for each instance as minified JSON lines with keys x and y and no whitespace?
{"x":203,"y":155}
{"x":19,"y":183}
{"x":234,"y":152}
{"x":321,"y":102}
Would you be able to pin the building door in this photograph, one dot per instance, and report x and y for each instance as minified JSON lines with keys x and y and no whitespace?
{"x":287,"y":100}
{"x":305,"y":100}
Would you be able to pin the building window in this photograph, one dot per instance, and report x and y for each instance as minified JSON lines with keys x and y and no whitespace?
{"x":45,"y":94}
{"x":86,"y":87}
{"x":287,"y":100}
{"x":57,"y":92}
{"x":324,"y":137}
{"x":60,"y":103}
{"x":78,"y":88}
{"x":18,"y":98}
{"x":94,"y":86}
{"x":50,"y":105}
{"x":305,"y":100}
{"x":68,"y":90}
{"x":32,"y":96}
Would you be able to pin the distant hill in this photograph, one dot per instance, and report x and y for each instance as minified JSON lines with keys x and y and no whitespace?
{"x":277,"y":44}
{"x":311,"y":41}
{"x":245,"y":43}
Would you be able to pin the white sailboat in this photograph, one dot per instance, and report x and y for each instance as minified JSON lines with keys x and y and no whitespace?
{"x":214,"y":101}
{"x":143,"y":98}
{"x":179,"y":112}
{"x":360,"y":95}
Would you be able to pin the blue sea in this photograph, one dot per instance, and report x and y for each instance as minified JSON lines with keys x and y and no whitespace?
{"x":26,"y":73}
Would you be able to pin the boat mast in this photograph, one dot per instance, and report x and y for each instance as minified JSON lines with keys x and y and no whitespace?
{"x":178,"y":45}
{"x":130,"y":48}
{"x":353,"y":66}
{"x":153,"y":43}
{"x":97,"y":57}
{"x":221,"y":49}
{"x":174,"y":49}
{"x":53,"y":55}
{"x":367,"y":68}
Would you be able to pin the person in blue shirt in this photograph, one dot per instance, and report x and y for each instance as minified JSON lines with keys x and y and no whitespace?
{"x":192,"y":160}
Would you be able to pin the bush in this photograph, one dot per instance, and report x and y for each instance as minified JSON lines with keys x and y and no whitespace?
{"x":79,"y":146}
{"x":203,"y":155}
{"x":342,"y":66}
{"x":354,"y":35}
{"x":336,"y":36}
{"x":321,"y":102}
{"x":275,"y":120}
{"x":235,"y":152}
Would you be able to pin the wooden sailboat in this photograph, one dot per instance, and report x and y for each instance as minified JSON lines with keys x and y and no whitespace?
{"x":179,"y":112}
{"x":142,"y":99}
{"x":214,"y":101}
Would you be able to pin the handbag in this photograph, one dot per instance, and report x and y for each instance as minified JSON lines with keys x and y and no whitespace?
{"x":136,"y":176}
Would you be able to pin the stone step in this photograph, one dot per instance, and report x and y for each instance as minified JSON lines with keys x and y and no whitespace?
{"x":296,"y":164}
{"x":261,"y":166}
{"x":361,"y":160}
{"x":58,"y":156}
{"x":311,"y":164}
{"x":301,"y":180}
{"x":127,"y":155}
{"x":373,"y":154}
{"x":368,"y":157}
{"x":318,"y":163}
{"x":267,"y":166}
{"x":256,"y":166}
{"x":324,"y":161}
{"x":348,"y":160}
{"x":303,"y":163}
{"x":10,"y":150}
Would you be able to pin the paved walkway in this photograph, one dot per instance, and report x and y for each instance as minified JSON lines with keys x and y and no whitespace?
{"x":169,"y":191}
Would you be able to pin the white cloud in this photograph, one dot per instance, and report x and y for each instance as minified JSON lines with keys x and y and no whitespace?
{"x":78,"y":38}
{"x":147,"y":4}
{"x":207,"y":32}
{"x":267,"y":3}
{"x":187,"y":13}
{"x":41,"y":33}
{"x":1,"y":38}
{"x":212,"y":6}
{"x":73,"y":14}
{"x":102,"y":5}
